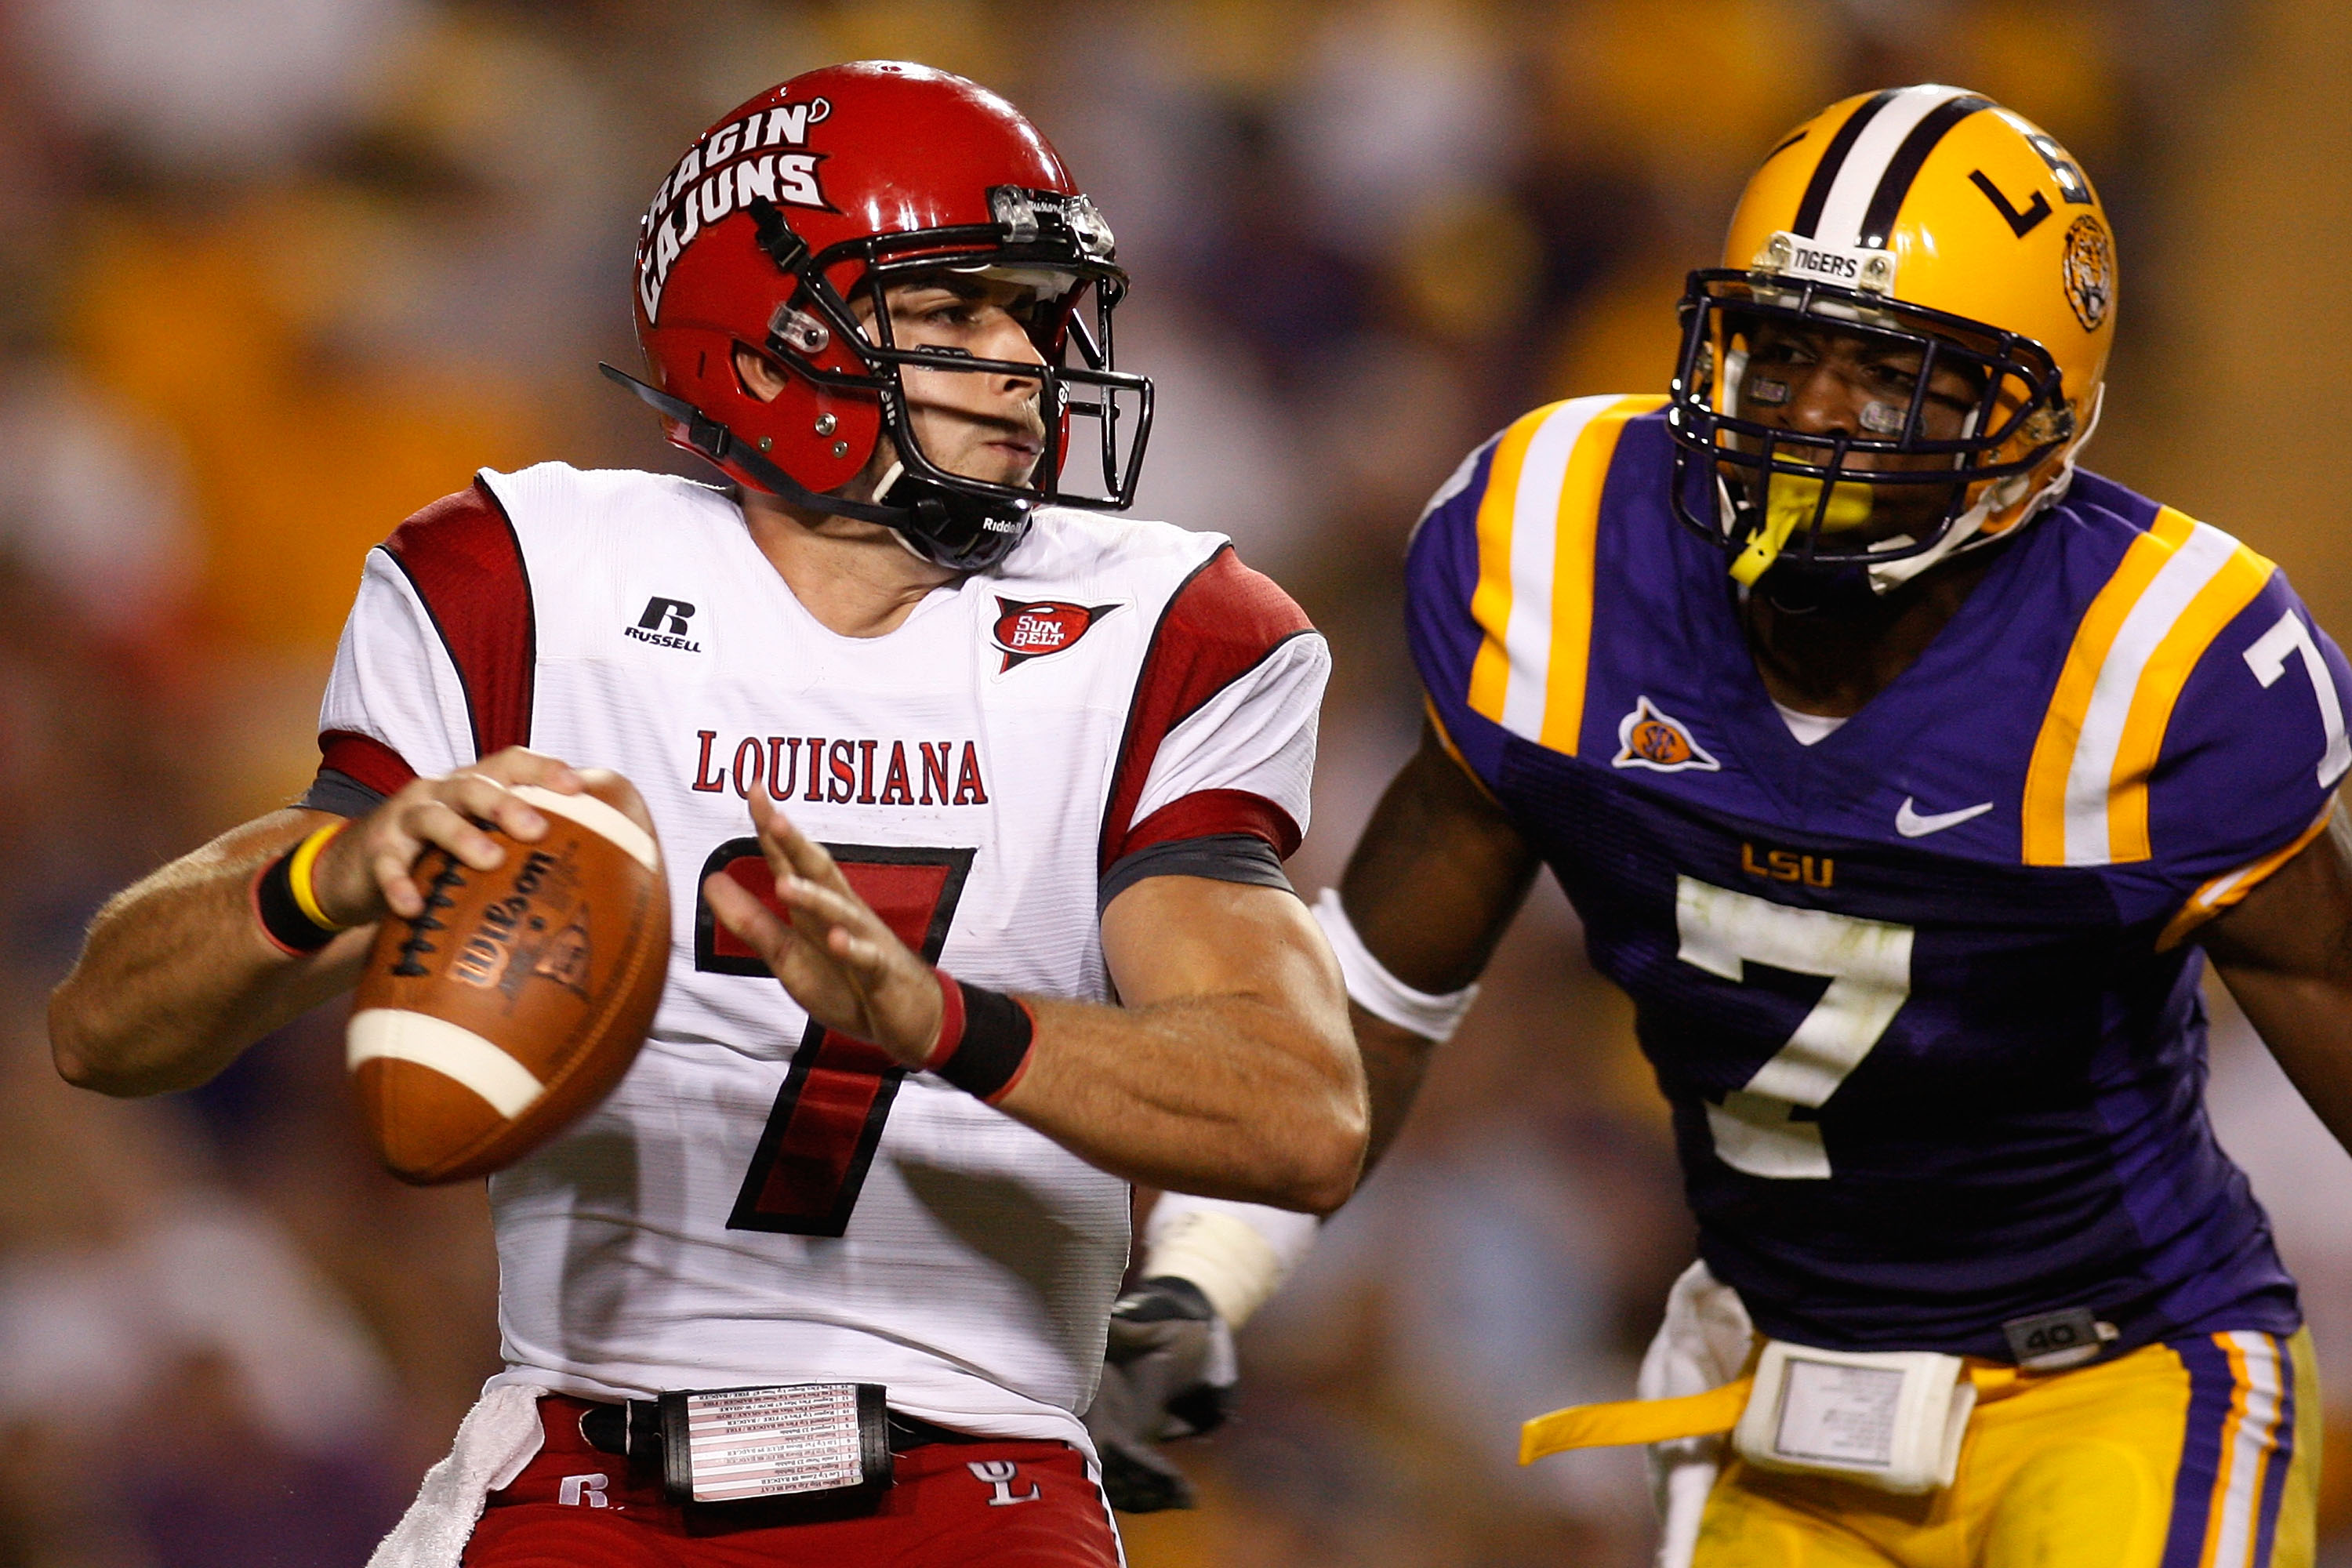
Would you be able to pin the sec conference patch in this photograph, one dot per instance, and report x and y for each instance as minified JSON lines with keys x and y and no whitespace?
{"x":1042,"y":626}
{"x":1648,"y":738}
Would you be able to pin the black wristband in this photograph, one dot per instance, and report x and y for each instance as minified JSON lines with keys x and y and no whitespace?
{"x":994,"y":1049}
{"x":282,"y":919}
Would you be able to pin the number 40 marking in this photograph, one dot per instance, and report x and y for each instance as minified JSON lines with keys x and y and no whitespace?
{"x":1868,"y":964}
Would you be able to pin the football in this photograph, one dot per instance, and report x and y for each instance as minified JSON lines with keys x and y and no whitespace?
{"x":519,"y":998}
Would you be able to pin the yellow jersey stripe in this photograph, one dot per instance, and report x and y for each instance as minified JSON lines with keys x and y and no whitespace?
{"x":1490,"y":603}
{"x":2228,"y":592}
{"x":1536,"y":527}
{"x":1572,"y":567}
{"x":2086,"y":783}
{"x":1542,"y":523}
{"x":2061,"y":724}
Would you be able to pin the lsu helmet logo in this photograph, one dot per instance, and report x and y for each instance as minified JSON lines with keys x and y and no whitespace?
{"x":1027,"y":631}
{"x":1648,"y":738}
{"x":2090,"y":271}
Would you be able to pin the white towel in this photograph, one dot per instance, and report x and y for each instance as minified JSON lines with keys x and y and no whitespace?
{"x":499,"y":1435}
{"x":1703,"y":1343}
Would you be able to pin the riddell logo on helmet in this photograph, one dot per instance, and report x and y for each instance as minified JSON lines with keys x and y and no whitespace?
{"x":1024,"y":632}
{"x":720,"y":176}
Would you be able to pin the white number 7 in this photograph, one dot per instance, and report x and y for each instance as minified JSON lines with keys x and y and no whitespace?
{"x":1869,"y":967}
{"x":2267,"y":659}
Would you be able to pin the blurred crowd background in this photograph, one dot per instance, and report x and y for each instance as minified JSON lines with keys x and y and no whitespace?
{"x":275,"y":273}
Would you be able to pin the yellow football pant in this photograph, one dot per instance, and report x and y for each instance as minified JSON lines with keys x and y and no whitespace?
{"x":2199,"y":1453}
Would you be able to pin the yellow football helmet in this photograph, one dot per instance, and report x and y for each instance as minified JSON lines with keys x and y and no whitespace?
{"x":1929,"y":218}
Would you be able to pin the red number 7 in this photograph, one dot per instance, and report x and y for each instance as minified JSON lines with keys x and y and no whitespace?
{"x":827,"y":1121}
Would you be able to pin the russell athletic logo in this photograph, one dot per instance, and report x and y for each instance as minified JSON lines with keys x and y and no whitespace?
{"x":1648,"y":738}
{"x":664,"y":624}
{"x":1023,"y":632}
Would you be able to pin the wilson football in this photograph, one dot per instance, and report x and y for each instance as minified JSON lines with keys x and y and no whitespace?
{"x":519,"y":998}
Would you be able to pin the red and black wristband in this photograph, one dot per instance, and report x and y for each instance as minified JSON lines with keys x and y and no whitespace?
{"x":985,"y":1039}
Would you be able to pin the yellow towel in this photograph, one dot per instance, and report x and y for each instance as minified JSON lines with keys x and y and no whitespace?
{"x":1634,"y":1421}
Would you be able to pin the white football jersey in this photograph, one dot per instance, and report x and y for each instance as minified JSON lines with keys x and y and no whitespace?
{"x":761,"y":1202}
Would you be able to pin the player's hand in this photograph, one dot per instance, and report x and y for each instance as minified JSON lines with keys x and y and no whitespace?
{"x":832,"y":953}
{"x":365,"y":872}
{"x":1168,"y":1373}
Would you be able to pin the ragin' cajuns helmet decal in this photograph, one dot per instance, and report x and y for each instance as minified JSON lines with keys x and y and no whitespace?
{"x":778,"y":232}
{"x":763,"y":155}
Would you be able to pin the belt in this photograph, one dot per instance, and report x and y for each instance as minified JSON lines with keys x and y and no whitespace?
{"x":632,"y":1427}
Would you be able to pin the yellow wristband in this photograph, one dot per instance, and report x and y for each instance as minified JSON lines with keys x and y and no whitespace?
{"x":297,"y":877}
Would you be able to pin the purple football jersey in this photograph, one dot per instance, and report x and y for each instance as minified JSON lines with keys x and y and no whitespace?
{"x":1924,"y":995}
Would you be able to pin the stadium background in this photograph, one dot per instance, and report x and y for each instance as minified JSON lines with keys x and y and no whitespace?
{"x":279,"y":271}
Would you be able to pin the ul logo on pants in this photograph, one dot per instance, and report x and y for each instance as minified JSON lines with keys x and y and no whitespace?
{"x":1000,"y":1473}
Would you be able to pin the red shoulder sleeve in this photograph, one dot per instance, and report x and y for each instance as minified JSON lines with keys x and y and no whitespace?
{"x":461,"y":556}
{"x":1222,"y":624}
{"x":365,"y":758}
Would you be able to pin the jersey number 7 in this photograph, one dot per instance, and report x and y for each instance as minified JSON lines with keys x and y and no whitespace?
{"x":827,"y":1121}
{"x":1756,"y":1128}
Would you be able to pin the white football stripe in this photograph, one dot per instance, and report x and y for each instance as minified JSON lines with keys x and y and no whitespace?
{"x":1866,"y":160}
{"x":2255,"y":1438}
{"x":458,"y":1054}
{"x":2090,"y":773}
{"x":598,"y":818}
{"x":1535,"y":532}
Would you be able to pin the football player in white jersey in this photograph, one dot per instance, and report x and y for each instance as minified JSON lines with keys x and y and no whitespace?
{"x":955,"y":757}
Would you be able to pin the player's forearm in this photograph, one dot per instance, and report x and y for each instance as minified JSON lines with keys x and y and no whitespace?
{"x":175,"y":977}
{"x":1434,"y":882}
{"x":1256,"y":1099}
{"x":1394,"y":1062}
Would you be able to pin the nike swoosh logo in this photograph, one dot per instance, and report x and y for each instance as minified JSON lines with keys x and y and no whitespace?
{"x":1911,"y":824}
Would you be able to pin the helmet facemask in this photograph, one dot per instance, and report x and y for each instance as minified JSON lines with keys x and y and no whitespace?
{"x":1056,"y":242}
{"x":1816,"y":503}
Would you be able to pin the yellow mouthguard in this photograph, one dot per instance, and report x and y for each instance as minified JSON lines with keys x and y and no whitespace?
{"x":1791,"y":507}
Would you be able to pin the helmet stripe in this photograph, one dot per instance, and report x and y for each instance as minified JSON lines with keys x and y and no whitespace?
{"x":1875,"y":149}
{"x":1825,"y":173}
{"x":1904,"y":167}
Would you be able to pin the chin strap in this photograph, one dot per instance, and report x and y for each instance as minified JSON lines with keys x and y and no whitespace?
{"x":711,"y":439}
{"x":917,"y":524}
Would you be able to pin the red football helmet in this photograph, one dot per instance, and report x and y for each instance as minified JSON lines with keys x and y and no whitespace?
{"x":849,"y":179}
